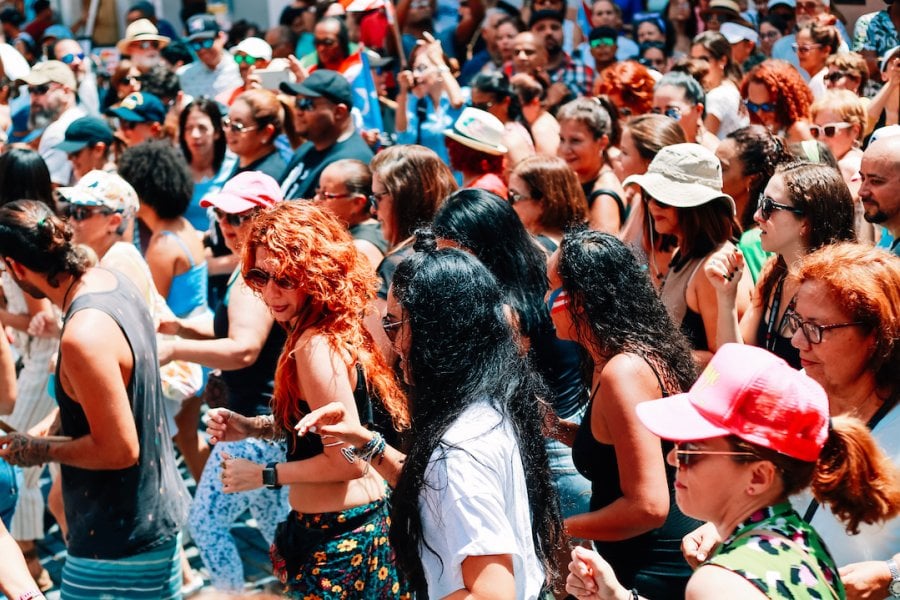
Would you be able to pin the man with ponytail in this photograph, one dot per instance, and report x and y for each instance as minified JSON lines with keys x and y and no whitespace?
{"x":125,"y":502}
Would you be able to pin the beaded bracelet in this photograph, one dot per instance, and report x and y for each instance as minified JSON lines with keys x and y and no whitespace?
{"x":371,"y":449}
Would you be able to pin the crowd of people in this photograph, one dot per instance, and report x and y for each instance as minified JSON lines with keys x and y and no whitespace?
{"x":487,"y":299}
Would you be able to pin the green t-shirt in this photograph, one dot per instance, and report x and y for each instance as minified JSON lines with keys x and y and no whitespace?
{"x":754,"y":256}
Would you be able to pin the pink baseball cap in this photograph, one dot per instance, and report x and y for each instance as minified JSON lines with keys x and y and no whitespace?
{"x":751,"y":393}
{"x":250,"y":189}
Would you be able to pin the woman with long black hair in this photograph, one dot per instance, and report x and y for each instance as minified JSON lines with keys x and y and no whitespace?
{"x":463,"y":517}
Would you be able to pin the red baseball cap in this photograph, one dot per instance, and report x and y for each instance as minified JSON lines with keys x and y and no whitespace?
{"x":751,"y":393}
{"x":250,"y":189}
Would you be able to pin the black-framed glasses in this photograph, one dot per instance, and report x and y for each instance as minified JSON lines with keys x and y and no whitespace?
{"x":258,"y":279}
{"x":39,"y":90}
{"x":765,"y":205}
{"x":245,"y":58}
{"x":829,"y":129}
{"x":375,"y":198}
{"x":234,"y":219}
{"x":687,"y":455}
{"x":673,"y":112}
{"x":391,"y":327}
{"x":235,"y":126}
{"x":813,"y":331}
{"x":72,"y":57}
{"x":766,"y":107}
{"x":304,"y":104}
{"x":79,"y":212}
{"x":206,"y":44}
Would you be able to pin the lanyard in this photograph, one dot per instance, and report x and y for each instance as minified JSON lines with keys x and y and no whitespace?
{"x":771,"y":333}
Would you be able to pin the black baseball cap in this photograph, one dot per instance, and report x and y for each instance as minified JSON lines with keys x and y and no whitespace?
{"x":201,"y":27}
{"x":322,"y":83}
{"x":599,"y":33}
{"x":85,"y":131}
{"x":540,"y":15}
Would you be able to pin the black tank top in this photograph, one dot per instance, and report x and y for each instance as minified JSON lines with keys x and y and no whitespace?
{"x":656,"y":552}
{"x":120,"y":513}
{"x":250,"y":389}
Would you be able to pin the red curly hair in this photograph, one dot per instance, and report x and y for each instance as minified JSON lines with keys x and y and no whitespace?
{"x":313,"y":249}
{"x":630,"y":81}
{"x":791,"y":95}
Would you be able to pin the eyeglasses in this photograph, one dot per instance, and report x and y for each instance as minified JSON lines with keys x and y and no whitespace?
{"x":770,"y":35}
{"x":836,"y":76}
{"x":766,"y":107}
{"x":766,"y":205}
{"x":235,"y":126}
{"x":829,"y":129}
{"x":323,"y":195}
{"x":515,"y":197}
{"x":421,"y":68}
{"x":391,"y":328}
{"x":259,"y":279}
{"x":202,"y":44}
{"x":304,"y":104}
{"x":78,"y":212}
{"x":804,"y":48}
{"x":558,"y":300}
{"x":813,"y":331}
{"x":485,"y":106}
{"x":245,"y":58}
{"x":673,"y":112}
{"x":324,"y":42}
{"x":39,"y":90}
{"x":603,"y":42}
{"x":686,"y":458}
{"x":70,"y":58}
{"x":375,"y":198}
{"x":235,"y":220}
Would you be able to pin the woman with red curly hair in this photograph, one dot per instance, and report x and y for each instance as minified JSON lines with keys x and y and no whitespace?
{"x":776,"y":96}
{"x":303,"y":263}
{"x":629,"y":85}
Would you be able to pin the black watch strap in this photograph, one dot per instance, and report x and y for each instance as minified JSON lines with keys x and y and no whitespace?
{"x":270,"y":477}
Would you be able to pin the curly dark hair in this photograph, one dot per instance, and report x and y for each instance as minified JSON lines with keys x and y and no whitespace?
{"x":142,"y":165}
{"x":616,"y":309}
{"x":464,"y":351}
{"x":760,"y":153}
{"x":32,"y":235}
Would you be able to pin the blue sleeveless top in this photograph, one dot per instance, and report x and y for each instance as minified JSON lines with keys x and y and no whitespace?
{"x":188,"y":290}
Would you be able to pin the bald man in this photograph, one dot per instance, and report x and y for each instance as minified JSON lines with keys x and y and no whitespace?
{"x":880,"y":189}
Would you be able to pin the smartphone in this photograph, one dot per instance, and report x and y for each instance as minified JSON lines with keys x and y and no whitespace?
{"x":272,"y":79}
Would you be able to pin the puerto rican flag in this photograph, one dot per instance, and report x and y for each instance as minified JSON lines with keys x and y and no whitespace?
{"x":358,"y":72}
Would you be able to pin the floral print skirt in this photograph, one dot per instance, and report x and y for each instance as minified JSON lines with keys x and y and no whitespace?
{"x":338,"y":555}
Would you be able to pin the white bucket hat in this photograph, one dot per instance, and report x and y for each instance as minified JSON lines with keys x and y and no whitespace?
{"x":683,"y":175}
{"x":479,"y":130}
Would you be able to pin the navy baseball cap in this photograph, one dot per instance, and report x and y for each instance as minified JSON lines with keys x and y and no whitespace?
{"x":140,"y":107}
{"x":322,"y":83}
{"x":200,"y":27}
{"x":85,"y":131}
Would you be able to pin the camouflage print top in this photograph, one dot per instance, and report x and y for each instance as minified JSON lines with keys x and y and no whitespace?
{"x":780,"y":570}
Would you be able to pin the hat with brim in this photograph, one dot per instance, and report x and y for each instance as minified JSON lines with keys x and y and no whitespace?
{"x":245,"y":191}
{"x":140,"y":107}
{"x":322,"y":83}
{"x":83,"y":132}
{"x":51,"y":71}
{"x":888,"y":56}
{"x":102,"y":188}
{"x":141,"y":30}
{"x":685,"y":176}
{"x":479,"y":130}
{"x":202,"y":27}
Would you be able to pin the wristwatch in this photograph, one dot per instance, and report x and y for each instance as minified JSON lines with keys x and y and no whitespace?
{"x":894,"y":585}
{"x":270,"y":477}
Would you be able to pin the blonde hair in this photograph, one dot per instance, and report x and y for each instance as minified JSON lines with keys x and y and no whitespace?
{"x":845,"y":103}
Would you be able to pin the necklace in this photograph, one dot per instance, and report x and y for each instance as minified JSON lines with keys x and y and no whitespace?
{"x":69,"y":289}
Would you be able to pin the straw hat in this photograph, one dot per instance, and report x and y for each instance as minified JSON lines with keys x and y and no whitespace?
{"x":479,"y":130}
{"x":140,"y":31}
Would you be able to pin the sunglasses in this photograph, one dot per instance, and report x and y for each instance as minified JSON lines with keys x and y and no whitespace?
{"x":804,"y":48}
{"x":245,"y":59}
{"x":685,"y":457}
{"x":673,"y":112}
{"x":128,"y":125}
{"x":39,"y":90}
{"x":323,"y":195}
{"x":257,"y":279}
{"x":149,"y":45}
{"x":603,"y":42}
{"x":324,"y":42}
{"x":829,"y":130}
{"x":766,"y":206}
{"x":234,"y":126}
{"x":304,"y":104}
{"x":813,"y":331}
{"x":557,"y":301}
{"x":203,"y":44}
{"x":70,"y":58}
{"x":836,"y":76}
{"x":391,"y":328}
{"x":234,"y":219}
{"x":767,"y":107}
{"x":83,"y":213}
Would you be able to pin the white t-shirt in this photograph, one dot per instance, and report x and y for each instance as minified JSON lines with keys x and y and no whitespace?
{"x":475,"y":503}
{"x":874,"y":542}
{"x":724,"y":103}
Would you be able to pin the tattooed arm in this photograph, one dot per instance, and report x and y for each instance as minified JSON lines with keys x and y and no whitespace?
{"x":24,"y":450}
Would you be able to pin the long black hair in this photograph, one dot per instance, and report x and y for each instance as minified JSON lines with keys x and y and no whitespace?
{"x":488,"y":227}
{"x":463,"y":351}
{"x":24,"y":174}
{"x":618,"y":309}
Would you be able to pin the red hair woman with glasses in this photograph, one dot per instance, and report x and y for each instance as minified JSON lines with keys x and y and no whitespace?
{"x":777,"y":97}
{"x":318,"y":287}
